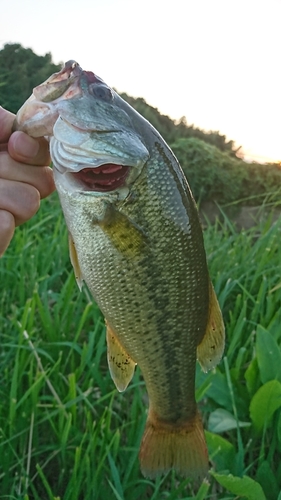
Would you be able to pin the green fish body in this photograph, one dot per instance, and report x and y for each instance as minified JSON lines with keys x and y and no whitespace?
{"x":136,"y":240}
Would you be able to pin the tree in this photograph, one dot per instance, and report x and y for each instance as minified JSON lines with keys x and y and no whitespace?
{"x":20,"y":71}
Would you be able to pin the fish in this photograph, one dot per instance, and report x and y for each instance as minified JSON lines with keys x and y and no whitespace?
{"x":136,"y":240}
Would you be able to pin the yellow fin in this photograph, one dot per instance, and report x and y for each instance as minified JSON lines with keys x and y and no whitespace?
{"x":121,"y":365}
{"x":74,"y":261}
{"x":127,"y":237}
{"x":181,"y":447}
{"x":210,"y":350}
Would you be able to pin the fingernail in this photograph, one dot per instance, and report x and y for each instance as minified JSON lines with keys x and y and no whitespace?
{"x":26,"y":146}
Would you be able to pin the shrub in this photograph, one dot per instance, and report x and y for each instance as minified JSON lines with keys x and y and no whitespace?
{"x":215,"y":175}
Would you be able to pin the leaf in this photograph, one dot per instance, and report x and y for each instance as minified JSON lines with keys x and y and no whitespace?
{"x":242,"y":486}
{"x":222,"y":420}
{"x":279,"y":431}
{"x":267,"y":479}
{"x":252,"y":377}
{"x":264,"y":403}
{"x":221,"y":451}
{"x":117,"y":486}
{"x":268,"y":356}
{"x":219,"y":390}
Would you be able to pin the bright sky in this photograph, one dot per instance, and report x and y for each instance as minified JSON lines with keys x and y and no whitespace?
{"x":217,"y":62}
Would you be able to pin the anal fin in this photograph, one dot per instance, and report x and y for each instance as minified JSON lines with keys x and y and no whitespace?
{"x":210,"y":350}
{"x":121,"y":365}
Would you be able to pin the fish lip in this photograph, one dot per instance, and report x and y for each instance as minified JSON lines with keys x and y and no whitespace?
{"x":64,"y":149}
{"x":85,"y":153}
{"x":67,"y":161}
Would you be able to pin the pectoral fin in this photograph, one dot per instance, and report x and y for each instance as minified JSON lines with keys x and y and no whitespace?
{"x":210,"y":350}
{"x":74,"y":261}
{"x":121,"y":366}
{"x":125,"y":235}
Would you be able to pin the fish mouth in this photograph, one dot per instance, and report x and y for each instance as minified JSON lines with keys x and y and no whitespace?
{"x":104,"y":178}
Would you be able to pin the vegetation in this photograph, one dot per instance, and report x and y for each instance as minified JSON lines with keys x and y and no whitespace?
{"x":215,"y":175}
{"x":67,"y":433}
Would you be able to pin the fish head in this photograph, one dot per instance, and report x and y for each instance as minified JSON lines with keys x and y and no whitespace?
{"x":94,"y":144}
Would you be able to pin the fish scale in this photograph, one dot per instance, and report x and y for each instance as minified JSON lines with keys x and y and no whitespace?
{"x":171,"y":311}
{"x":138,"y":245}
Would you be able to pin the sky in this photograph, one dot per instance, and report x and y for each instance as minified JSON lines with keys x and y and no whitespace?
{"x":216,"y":62}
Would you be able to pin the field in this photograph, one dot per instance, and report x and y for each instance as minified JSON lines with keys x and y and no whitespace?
{"x":66,"y":433}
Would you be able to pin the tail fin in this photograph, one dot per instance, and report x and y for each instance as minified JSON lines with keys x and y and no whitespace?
{"x":166,"y":447}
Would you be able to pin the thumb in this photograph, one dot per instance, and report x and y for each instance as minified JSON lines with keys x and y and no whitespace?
{"x":26,"y":149}
{"x":6,"y":123}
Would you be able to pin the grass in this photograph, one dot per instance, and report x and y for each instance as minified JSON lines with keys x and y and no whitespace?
{"x":66,"y":433}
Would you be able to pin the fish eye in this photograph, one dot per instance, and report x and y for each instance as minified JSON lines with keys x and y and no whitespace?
{"x":101,"y":91}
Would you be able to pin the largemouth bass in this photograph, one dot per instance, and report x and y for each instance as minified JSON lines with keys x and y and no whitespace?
{"x":136,"y":240}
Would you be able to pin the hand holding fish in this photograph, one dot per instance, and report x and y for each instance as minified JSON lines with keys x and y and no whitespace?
{"x":21,"y":184}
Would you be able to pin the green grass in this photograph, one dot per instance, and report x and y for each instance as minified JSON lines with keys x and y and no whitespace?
{"x":66,"y":433}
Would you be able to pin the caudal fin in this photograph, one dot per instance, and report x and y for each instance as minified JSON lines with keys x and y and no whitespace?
{"x":165,"y":447}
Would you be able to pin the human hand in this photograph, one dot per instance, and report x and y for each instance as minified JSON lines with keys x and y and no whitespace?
{"x":24,"y":177}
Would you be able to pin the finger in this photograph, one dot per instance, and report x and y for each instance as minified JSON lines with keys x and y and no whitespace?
{"x":39,"y":177}
{"x":26,"y":149}
{"x":6,"y":123}
{"x":7,"y":228}
{"x":21,"y":200}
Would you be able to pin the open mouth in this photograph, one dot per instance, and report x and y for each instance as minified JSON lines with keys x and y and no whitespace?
{"x":104,"y":178}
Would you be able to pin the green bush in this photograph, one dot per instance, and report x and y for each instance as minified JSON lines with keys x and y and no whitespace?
{"x":263,"y":181}
{"x":212,"y":175}
{"x":215,"y":175}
